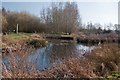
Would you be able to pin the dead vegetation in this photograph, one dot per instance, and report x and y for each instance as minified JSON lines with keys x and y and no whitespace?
{"x":36,"y":41}
{"x":106,"y":59}
{"x":100,"y":62}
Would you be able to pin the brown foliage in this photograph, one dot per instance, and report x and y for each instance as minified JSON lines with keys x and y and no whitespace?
{"x":100,"y":62}
{"x":106,"y":58}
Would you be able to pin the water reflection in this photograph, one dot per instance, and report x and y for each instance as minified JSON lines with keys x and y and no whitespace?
{"x":82,"y":49}
{"x":45,"y":57}
{"x":54,"y":52}
{"x":40,"y":58}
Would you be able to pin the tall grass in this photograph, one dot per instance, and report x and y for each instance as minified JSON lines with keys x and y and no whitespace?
{"x":106,"y":59}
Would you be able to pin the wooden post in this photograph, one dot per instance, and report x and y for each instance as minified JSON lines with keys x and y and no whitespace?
{"x":17,"y":29}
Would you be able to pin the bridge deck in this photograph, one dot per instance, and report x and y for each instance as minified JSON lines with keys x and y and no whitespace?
{"x":85,"y":39}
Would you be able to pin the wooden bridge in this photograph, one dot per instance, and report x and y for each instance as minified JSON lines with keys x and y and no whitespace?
{"x":99,"y":39}
{"x":85,"y":39}
{"x":57,"y":36}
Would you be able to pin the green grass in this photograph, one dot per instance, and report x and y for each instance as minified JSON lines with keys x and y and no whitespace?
{"x":67,"y":35}
{"x":18,"y":36}
{"x":114,"y":75}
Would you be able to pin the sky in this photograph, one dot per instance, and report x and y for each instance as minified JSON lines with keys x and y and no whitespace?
{"x":103,"y":12}
{"x":59,"y":0}
{"x":119,"y":13}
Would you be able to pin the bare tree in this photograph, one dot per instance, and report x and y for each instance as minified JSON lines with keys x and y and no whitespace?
{"x":4,"y":24}
{"x":64,"y":17}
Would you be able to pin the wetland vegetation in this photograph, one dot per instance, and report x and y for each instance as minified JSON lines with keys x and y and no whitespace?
{"x":58,"y":45}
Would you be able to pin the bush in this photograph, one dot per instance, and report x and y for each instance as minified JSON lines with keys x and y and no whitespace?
{"x":37,"y":43}
{"x":36,"y":40}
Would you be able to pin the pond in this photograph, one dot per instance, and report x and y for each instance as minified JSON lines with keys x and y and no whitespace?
{"x":54,"y":52}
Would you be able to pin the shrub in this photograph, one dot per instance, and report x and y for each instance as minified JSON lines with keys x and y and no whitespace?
{"x":37,"y":43}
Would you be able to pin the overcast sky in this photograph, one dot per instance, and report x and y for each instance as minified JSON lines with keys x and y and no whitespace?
{"x":103,"y":12}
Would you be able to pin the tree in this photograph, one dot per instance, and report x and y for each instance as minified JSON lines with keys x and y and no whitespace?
{"x":12,"y":21}
{"x":26,"y":21}
{"x":62,"y":17}
{"x":58,"y":18}
{"x":4,"y":11}
{"x":4,"y":24}
{"x":72,"y":17}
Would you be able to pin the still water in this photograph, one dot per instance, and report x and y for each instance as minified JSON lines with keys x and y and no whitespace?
{"x":54,"y":52}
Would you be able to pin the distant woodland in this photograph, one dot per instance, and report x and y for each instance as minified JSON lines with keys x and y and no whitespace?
{"x":60,"y":18}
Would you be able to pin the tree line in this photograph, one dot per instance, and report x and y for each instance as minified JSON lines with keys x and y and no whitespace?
{"x":62,"y":17}
{"x":59,"y":18}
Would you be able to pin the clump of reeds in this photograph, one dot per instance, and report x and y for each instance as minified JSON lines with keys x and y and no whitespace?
{"x":18,"y":67}
{"x":106,"y":59}
{"x":70,"y":68}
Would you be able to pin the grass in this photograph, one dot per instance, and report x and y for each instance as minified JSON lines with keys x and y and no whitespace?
{"x":66,"y":35}
{"x":18,"y":36}
{"x":24,"y":38}
{"x":11,"y":39}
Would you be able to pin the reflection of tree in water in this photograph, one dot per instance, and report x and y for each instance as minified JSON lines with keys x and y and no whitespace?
{"x":62,"y":51}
